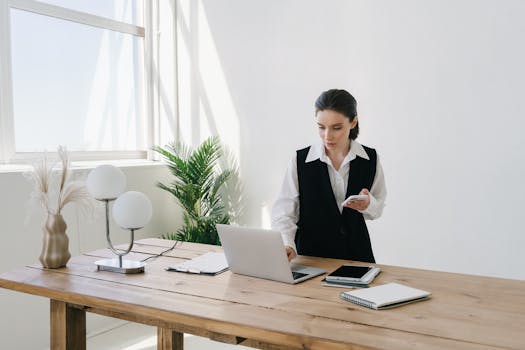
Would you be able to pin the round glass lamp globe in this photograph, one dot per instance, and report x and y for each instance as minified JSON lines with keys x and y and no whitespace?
{"x":106,"y":182}
{"x":132,"y":210}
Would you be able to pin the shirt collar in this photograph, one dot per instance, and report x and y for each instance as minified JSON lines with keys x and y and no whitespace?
{"x":317,"y":151}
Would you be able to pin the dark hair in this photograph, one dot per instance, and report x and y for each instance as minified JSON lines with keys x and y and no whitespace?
{"x":339,"y":101}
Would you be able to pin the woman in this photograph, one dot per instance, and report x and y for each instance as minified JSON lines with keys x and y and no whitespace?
{"x":309,"y":212}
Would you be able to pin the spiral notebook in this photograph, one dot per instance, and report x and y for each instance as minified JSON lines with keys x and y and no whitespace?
{"x":385,"y":296}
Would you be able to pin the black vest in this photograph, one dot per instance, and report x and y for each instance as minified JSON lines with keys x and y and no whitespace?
{"x":322,"y":230}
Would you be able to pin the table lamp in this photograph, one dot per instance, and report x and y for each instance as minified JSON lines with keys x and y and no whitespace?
{"x":132,"y":211}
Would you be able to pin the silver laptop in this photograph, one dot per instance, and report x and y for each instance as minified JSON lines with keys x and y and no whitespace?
{"x":260,"y":253}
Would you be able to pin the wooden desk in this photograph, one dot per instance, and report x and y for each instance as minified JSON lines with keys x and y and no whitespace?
{"x":465,"y":312}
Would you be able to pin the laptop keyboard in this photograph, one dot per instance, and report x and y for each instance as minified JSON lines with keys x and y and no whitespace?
{"x":297,"y":275}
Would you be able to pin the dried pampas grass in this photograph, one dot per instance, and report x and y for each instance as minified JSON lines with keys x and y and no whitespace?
{"x":54,"y":189}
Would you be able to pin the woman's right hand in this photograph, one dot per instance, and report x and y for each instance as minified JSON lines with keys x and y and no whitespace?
{"x":290,"y":252}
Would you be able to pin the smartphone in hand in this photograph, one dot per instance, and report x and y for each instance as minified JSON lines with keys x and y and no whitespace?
{"x":355,"y":197}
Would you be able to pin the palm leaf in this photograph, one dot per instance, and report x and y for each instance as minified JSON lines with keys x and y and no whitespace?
{"x":197,"y":188}
{"x":202,"y":162}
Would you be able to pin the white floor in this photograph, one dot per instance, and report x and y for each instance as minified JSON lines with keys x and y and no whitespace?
{"x":133,"y":336}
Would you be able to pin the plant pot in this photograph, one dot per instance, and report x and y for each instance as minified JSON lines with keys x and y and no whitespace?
{"x":55,"y":243}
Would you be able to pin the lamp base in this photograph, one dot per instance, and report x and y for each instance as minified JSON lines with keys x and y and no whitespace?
{"x":113,"y":265}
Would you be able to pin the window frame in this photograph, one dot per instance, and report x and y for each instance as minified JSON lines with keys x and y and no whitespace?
{"x":148,"y":78}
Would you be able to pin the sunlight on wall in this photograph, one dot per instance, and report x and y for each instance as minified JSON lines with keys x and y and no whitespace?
{"x":206,"y":104}
{"x":203,"y":125}
{"x":220,"y":101}
{"x":266,"y":215}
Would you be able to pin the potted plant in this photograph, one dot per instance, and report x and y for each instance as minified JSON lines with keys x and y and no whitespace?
{"x":199,"y":187}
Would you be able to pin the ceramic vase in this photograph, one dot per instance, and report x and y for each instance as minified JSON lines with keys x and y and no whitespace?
{"x":55,"y":243}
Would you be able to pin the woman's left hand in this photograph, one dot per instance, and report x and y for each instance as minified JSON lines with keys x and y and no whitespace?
{"x":360,"y":204}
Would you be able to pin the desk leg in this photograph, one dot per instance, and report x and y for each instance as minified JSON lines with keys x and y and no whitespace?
{"x":168,"y":339}
{"x":68,"y":327}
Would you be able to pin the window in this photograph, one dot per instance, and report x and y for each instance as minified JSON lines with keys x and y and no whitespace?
{"x":74,"y":73}
{"x":128,"y":11}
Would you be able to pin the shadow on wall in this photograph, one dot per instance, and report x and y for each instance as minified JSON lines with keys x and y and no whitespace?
{"x":207,"y":106}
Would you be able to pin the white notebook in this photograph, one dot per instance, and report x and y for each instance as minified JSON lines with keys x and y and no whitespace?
{"x":385,"y":296}
{"x":210,"y":263}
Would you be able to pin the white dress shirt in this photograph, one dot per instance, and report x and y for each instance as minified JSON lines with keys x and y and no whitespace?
{"x":285,"y":211}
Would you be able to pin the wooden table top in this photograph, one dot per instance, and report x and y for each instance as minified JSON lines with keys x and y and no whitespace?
{"x":465,"y":311}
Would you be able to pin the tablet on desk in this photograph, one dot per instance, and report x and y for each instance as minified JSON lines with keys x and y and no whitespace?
{"x":354,"y":273}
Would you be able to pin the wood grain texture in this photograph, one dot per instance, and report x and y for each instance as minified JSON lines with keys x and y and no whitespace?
{"x":68,"y":326}
{"x":168,"y":339}
{"x":465,"y":312}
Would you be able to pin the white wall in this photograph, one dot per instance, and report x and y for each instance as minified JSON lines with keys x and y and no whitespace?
{"x":439,"y":85}
{"x":21,"y":244}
